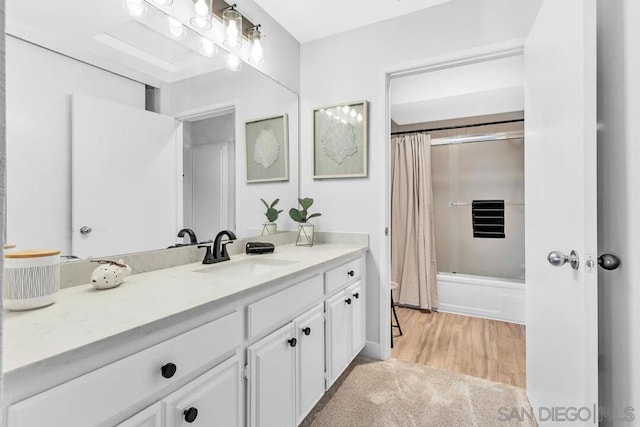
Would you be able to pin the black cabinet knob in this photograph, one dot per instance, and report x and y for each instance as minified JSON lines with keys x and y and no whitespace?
{"x":292,"y":342}
{"x":356,"y":295}
{"x":190,"y":414}
{"x":306,"y":331}
{"x":169,"y":370}
{"x":351,"y":273}
{"x":348,"y":300}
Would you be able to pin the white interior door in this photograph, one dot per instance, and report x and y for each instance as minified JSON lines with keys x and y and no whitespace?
{"x":560,"y":189}
{"x":124,"y":178}
{"x":210,"y":189}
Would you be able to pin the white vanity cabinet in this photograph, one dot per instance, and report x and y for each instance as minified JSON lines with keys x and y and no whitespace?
{"x":345,"y":329}
{"x":286,"y":371}
{"x":150,"y":417}
{"x":212,"y":399}
{"x":358,"y":327}
{"x":100,"y":396}
{"x":271,"y":373}
{"x":310,"y":367}
{"x":263,"y":358}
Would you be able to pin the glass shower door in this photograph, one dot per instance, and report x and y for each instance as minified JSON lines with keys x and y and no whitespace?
{"x":490,"y":170}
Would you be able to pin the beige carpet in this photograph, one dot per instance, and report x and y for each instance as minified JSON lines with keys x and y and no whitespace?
{"x":398,"y":393}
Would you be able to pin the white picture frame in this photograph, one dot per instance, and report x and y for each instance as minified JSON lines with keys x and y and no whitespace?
{"x":267,"y":149}
{"x":340,"y":140}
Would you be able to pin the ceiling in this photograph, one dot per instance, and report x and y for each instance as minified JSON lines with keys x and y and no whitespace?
{"x":309,"y":20}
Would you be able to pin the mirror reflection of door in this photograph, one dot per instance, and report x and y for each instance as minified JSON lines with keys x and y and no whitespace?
{"x":209,"y":175}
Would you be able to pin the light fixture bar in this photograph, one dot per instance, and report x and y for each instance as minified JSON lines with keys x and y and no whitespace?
{"x":219,"y":6}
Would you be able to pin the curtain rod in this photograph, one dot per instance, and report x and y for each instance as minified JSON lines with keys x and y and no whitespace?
{"x":457,"y":127}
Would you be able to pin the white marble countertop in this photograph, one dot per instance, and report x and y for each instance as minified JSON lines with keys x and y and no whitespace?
{"x":83,"y":315}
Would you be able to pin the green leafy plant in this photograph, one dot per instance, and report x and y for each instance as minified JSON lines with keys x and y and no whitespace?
{"x":303,"y":215}
{"x":271,"y":213}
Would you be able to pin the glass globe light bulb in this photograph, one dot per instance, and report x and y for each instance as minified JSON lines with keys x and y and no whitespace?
{"x":233,"y":62}
{"x":201,"y":8}
{"x":135,"y":7}
{"x":207,"y":47}
{"x":175,"y":27}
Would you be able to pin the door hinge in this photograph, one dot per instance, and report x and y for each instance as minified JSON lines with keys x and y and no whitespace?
{"x":386,"y":231}
{"x":244,"y":372}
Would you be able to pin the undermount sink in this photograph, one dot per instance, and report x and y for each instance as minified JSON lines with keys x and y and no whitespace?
{"x":247,"y":268}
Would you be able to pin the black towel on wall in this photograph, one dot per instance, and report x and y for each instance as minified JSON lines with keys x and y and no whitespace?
{"x":488,"y":219}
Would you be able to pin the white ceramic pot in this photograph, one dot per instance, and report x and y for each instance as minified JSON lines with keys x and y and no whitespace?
{"x":269,"y":228}
{"x":305,"y":234}
{"x":31,"y":279}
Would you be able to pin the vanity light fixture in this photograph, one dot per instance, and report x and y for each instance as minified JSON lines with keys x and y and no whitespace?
{"x":232,"y":21}
{"x":256,"y":41}
{"x":201,"y":18}
{"x":163,"y":2}
{"x":136,"y":8}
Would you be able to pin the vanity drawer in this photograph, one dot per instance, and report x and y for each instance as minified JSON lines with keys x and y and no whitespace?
{"x":338,"y":277}
{"x":104,"y":393}
{"x":281,"y":307}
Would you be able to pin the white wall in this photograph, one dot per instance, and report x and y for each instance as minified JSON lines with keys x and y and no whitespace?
{"x":489,"y":87}
{"x":39,"y":87}
{"x":351,"y":66}
{"x":619,"y":205}
{"x":282,"y":50}
{"x":255,"y":96}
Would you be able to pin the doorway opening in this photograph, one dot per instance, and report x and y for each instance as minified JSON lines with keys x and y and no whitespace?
{"x":457,"y":218}
{"x":209,"y":173}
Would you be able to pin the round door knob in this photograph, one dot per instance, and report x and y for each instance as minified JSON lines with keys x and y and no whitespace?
{"x":356,"y":295}
{"x":169,"y":370}
{"x":292,"y":342}
{"x":85,"y":229}
{"x":608,"y":261}
{"x":348,"y":300}
{"x":558,"y":259}
{"x":190,"y":414}
{"x":351,"y":273}
{"x":307,"y":331}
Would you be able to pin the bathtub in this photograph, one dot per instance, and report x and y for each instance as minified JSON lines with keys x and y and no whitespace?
{"x":486,"y":297}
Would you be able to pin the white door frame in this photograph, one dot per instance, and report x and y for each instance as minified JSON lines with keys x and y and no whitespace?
{"x":193,"y":115}
{"x":471,"y":56}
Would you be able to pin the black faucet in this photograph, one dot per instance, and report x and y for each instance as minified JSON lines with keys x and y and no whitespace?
{"x":220,"y":248}
{"x":190,"y":232}
{"x":208,"y":256}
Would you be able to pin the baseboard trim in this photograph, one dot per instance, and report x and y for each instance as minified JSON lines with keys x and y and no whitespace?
{"x":465,"y":311}
{"x":371,"y":350}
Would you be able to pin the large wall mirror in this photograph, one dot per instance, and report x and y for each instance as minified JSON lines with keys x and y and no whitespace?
{"x":122,"y":129}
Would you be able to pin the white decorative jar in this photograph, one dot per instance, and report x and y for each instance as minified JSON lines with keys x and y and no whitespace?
{"x":31,"y":279}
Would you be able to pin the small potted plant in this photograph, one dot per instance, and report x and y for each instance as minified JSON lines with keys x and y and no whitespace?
{"x":302,"y":217}
{"x":272,"y":216}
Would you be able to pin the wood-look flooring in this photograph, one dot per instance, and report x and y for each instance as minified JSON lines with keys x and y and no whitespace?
{"x":482,"y":348}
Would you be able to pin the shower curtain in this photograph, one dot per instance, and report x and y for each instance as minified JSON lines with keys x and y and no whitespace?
{"x":413,"y":247}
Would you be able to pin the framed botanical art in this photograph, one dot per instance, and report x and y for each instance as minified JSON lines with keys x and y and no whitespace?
{"x":340,"y":141}
{"x":267,"y":149}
